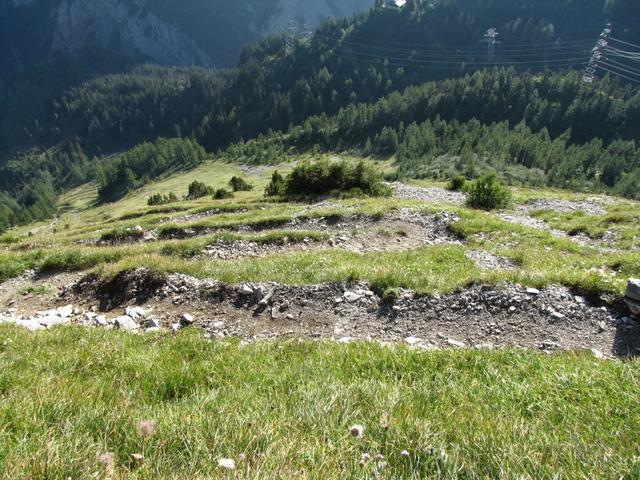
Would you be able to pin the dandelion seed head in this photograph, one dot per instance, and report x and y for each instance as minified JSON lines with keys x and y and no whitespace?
{"x":107,"y":459}
{"x":357,"y":431}
{"x":147,"y":428}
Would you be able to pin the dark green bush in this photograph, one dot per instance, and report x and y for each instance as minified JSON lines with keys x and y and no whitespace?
{"x":222,"y":194}
{"x":457,"y":184}
{"x":488,"y":193}
{"x":323,"y":177}
{"x":239,"y":184}
{"x":198,"y":190}
{"x":277,"y":186}
{"x":161,"y":199}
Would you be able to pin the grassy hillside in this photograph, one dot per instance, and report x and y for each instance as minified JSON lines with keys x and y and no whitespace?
{"x":68,"y":123}
{"x":79,"y":404}
{"x":595,"y":252}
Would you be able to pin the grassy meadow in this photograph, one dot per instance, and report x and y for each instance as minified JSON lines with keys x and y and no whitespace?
{"x":82,"y":403}
{"x":68,"y":243}
{"x":78,"y":403}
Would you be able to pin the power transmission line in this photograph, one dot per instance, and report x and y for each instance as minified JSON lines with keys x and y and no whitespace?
{"x":584,"y":41}
{"x":603,"y":58}
{"x":624,"y":43}
{"x":411,"y":62}
{"x":627,"y":71}
{"x":633,"y":80}
{"x":470,"y":52}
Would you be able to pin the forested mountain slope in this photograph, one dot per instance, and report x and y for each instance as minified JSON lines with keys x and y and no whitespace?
{"x":284,"y":81}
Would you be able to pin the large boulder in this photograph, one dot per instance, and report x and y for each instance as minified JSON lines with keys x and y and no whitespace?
{"x":633,"y":289}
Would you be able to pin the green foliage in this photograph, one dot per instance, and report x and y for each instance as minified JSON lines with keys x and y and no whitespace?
{"x":198,"y":190}
{"x":222,"y":194}
{"x":162,"y":199}
{"x":535,"y":128}
{"x":488,"y":193}
{"x":457,"y":183}
{"x":239,"y":184}
{"x":439,"y":132}
{"x":629,"y":185}
{"x":277,"y":186}
{"x":126,"y":172}
{"x":322,"y":177}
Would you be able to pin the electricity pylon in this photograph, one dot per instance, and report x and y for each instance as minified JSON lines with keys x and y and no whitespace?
{"x":491,"y":37}
{"x":596,"y":55}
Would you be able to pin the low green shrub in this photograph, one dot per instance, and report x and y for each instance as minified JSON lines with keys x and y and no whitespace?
{"x":122,"y":235}
{"x":277,"y":186}
{"x":198,"y":190}
{"x":239,"y":184}
{"x":323,"y":177}
{"x":222,"y":194}
{"x":8,"y":239}
{"x":457,"y":183}
{"x":161,"y":199}
{"x":488,"y":193}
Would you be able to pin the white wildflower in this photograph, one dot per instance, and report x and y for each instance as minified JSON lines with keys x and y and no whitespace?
{"x":227,"y":464}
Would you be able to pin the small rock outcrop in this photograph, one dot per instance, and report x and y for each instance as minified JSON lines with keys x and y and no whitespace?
{"x":632,"y":298}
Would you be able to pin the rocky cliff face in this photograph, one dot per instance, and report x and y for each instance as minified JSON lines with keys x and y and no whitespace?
{"x":187,"y":32}
{"x":123,"y":27}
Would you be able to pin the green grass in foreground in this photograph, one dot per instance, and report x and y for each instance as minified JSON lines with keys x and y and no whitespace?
{"x":69,"y":395}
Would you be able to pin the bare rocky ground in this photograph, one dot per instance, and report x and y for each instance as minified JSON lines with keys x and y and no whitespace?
{"x":432,"y":195}
{"x":400,"y":231}
{"x":593,"y":206}
{"x":555,"y":318}
{"x":507,"y":315}
{"x":522,"y":212}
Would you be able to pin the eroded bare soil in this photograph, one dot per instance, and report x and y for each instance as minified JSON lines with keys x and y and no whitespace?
{"x":481,"y":316}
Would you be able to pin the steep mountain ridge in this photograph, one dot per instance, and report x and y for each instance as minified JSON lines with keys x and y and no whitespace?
{"x":191,"y":32}
{"x":114,"y":24}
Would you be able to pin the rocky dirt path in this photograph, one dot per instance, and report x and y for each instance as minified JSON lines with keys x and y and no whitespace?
{"x":400,"y":231}
{"x":552,"y":319}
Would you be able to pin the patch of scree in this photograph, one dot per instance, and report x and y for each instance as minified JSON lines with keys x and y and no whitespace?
{"x":403,"y":231}
{"x":434,"y":195}
{"x":489,"y":261}
{"x":590,"y":206}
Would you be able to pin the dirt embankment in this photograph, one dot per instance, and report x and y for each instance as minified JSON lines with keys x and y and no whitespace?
{"x":552,"y":319}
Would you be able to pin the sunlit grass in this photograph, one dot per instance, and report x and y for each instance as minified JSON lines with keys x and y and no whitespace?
{"x":540,"y":258}
{"x":284,"y":410}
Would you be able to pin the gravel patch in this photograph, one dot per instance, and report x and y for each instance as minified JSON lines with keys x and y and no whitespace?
{"x":505,"y":315}
{"x":399,"y":231}
{"x":434,"y":195}
{"x":531,"y":222}
{"x":590,"y":207}
{"x":489,"y":261}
